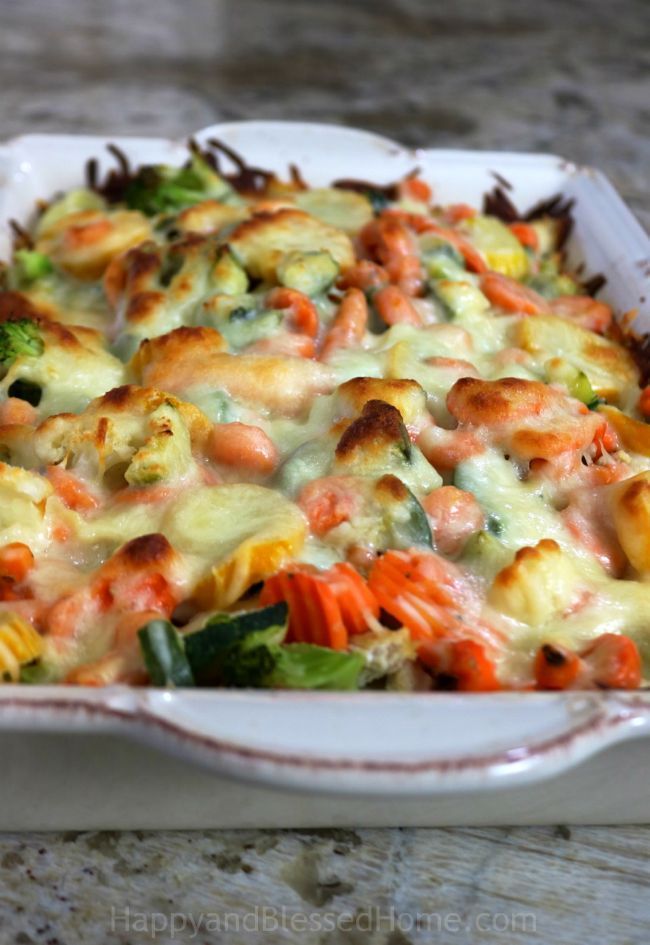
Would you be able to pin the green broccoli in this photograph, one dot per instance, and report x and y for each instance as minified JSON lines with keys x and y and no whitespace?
{"x":31,"y":265}
{"x":18,"y":339}
{"x":163,"y":189}
{"x":248,"y":667}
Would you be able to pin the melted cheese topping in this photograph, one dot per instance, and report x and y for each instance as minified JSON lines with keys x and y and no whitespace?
{"x":292,"y":376}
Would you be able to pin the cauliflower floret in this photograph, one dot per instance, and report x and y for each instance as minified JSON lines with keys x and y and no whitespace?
{"x":385,"y":652}
{"x":539,"y":584}
{"x":144,"y":434}
{"x":405,"y":395}
{"x":262,"y":242}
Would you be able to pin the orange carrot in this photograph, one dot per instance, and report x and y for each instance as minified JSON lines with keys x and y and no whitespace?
{"x":461,"y":665}
{"x":353,"y":595}
{"x":472,"y":668}
{"x":556,"y":667}
{"x":613,"y":662}
{"x":244,"y":447}
{"x":605,"y":440}
{"x":71,"y":490}
{"x":304,"y":315}
{"x":587,"y":312}
{"x":456,"y":212}
{"x":349,"y":325}
{"x":328,"y":502}
{"x":365,"y":275}
{"x":446,"y":448}
{"x":16,"y":561}
{"x":410,"y":586}
{"x":423,"y":224}
{"x":324,"y":606}
{"x":526,"y":234}
{"x":143,"y":495}
{"x":16,"y":411}
{"x":453,"y":515}
{"x":511,"y":295}
{"x":414,"y":188}
{"x":388,"y":241}
{"x":395,"y":308}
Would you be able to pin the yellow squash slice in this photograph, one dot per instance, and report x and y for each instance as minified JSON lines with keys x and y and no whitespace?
{"x":240,"y":534}
{"x":19,"y":645}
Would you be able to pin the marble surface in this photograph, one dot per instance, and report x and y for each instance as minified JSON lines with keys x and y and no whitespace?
{"x":571,"y":78}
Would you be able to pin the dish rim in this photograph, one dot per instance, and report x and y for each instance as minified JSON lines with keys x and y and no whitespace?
{"x":156,"y":716}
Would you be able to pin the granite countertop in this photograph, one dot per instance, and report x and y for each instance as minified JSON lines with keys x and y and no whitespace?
{"x":570,"y":78}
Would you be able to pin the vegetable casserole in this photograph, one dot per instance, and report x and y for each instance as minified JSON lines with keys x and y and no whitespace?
{"x":255,"y":433}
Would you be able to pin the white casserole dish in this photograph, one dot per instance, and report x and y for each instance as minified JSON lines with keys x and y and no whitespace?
{"x":81,"y":758}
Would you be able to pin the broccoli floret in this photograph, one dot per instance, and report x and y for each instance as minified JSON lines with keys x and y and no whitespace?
{"x":19,"y":338}
{"x":163,"y":189}
{"x":32,"y":265}
{"x":248,"y":667}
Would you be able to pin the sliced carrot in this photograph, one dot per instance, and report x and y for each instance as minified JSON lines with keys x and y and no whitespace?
{"x":285,"y":586}
{"x":365,"y":275}
{"x":61,"y":533}
{"x":349,"y":325}
{"x":328,"y":502}
{"x":605,"y":440}
{"x":456,"y":212}
{"x":389,"y":241}
{"x":405,"y":588}
{"x":526,"y":234}
{"x":463,"y":665}
{"x":143,"y":495}
{"x":512,"y":296}
{"x":556,"y":667}
{"x":304,"y":315}
{"x":415,"y":188}
{"x":584,"y":310}
{"x":244,"y":447}
{"x":470,"y":665}
{"x":613,"y":662}
{"x":16,"y":411}
{"x":16,"y":561}
{"x":395,"y":308}
{"x":324,"y":606}
{"x":446,"y":448}
{"x":422,"y":224}
{"x":333,"y":631}
{"x":354,"y":598}
{"x":72,"y":491}
{"x":453,"y":515}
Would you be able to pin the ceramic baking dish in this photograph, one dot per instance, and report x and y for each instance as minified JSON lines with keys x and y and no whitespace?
{"x":119,"y":757}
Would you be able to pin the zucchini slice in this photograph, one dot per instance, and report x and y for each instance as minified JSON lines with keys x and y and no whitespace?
{"x":164,"y":654}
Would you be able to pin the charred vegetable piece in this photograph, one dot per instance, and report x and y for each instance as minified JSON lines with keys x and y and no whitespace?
{"x":163,"y":189}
